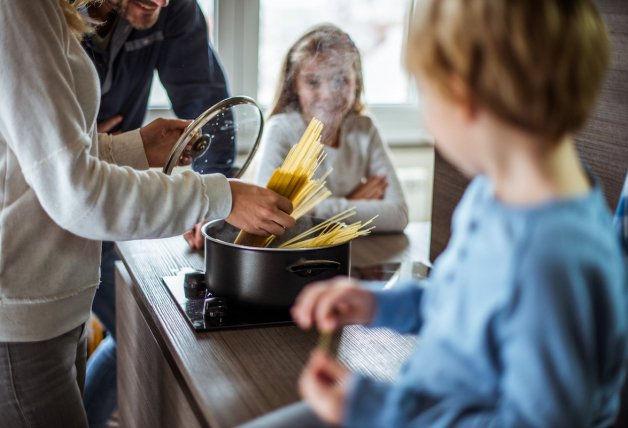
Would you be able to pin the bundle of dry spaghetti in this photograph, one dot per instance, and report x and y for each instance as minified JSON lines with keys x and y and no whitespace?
{"x":332,"y":232}
{"x":293,"y":179}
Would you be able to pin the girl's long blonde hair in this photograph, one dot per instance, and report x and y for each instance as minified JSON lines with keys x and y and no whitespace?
{"x":79,"y":23}
{"x":320,"y":40}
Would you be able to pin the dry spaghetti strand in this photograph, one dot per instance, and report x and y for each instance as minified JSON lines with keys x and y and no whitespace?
{"x":293,"y":180}
{"x":332,"y":232}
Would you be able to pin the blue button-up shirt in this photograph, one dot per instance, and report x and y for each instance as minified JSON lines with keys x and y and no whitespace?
{"x":522,"y":323}
{"x":621,"y":217}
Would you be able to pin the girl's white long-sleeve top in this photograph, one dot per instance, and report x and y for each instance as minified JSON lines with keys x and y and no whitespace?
{"x":60,"y":191}
{"x":360,"y":154}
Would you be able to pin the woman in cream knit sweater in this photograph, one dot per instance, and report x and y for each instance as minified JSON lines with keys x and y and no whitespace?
{"x":61,"y":192}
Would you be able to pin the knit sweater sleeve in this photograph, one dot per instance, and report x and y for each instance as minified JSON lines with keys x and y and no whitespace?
{"x":51,"y":137}
{"x":123,"y":149}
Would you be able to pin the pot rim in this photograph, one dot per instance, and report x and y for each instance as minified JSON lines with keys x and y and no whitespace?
{"x":265,"y":249}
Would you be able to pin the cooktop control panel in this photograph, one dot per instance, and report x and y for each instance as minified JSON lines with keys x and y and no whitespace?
{"x":205,"y":311}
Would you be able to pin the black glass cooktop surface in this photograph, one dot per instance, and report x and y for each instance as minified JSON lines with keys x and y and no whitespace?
{"x":206,"y":312}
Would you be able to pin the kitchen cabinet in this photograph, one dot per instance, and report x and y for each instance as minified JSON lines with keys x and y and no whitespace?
{"x":171,"y":376}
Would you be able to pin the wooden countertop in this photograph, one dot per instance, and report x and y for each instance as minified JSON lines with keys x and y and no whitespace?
{"x":232,"y":376}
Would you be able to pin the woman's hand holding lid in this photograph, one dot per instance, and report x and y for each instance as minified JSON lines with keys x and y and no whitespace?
{"x":159,"y":137}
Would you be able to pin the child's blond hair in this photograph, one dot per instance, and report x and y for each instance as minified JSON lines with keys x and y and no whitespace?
{"x":536,"y":64}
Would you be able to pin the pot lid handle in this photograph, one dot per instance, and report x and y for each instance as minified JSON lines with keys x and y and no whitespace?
{"x":241,"y":123}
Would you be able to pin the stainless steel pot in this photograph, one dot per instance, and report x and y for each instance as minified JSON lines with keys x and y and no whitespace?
{"x":267,"y":276}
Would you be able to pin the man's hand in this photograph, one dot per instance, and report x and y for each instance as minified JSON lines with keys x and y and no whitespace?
{"x":108,"y":124}
{"x":159,"y":137}
{"x":323,"y":384}
{"x":372,"y":188}
{"x":258,"y":210}
{"x":194,"y":237}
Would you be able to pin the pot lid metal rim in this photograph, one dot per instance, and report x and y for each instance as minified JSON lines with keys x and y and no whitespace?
{"x":202,"y":120}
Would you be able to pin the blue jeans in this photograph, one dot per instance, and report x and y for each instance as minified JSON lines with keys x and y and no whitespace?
{"x":41,"y":382}
{"x":100,"y":395}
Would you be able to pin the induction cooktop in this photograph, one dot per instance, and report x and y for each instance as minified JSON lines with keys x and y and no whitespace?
{"x":207,"y":312}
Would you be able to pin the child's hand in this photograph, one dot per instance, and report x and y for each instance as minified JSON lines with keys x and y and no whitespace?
{"x":333,"y":303}
{"x":194,"y":237}
{"x":323,"y":384}
{"x":372,"y":188}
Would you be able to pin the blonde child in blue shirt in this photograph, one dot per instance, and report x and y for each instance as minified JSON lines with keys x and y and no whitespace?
{"x":523,"y":322}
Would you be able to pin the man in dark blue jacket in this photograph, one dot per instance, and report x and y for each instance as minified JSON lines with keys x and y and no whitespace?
{"x":135,"y":39}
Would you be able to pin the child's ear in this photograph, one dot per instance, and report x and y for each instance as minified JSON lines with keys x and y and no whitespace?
{"x":463,"y":98}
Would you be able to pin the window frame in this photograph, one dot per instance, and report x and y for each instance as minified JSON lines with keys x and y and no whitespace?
{"x":236,"y":38}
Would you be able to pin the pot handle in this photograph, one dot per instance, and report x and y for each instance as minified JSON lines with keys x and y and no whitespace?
{"x":308,"y":268}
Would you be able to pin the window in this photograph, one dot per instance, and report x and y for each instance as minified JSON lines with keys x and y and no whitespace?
{"x":158,"y":98}
{"x":376,"y":27}
{"x":252,"y":36}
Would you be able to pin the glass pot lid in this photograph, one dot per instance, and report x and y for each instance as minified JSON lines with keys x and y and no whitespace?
{"x":223,"y":139}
